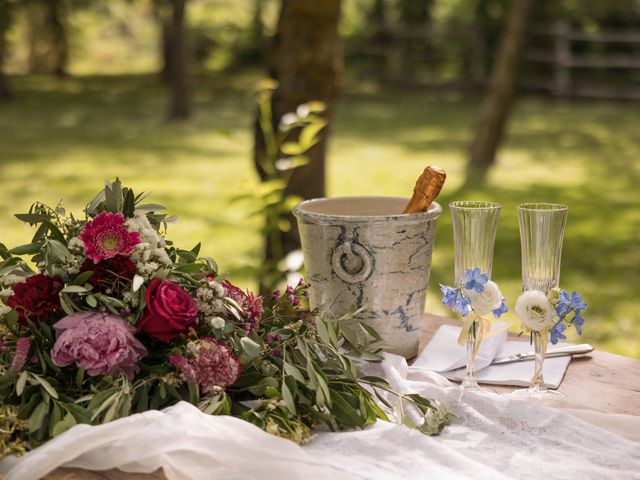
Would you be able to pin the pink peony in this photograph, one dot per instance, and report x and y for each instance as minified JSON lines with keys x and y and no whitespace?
{"x":250,"y":304}
{"x":212,"y":366}
{"x":107,"y":236}
{"x":101,"y":343}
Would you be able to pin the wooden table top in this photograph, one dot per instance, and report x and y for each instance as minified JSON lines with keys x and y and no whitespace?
{"x":611,"y":382}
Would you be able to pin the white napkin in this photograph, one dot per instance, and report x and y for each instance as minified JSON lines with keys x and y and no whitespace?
{"x":444,"y":355}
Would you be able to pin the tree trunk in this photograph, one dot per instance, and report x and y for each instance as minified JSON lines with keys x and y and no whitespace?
{"x":59,"y":52}
{"x":499,"y":97}
{"x":166,"y":42}
{"x":47,"y":36}
{"x":5,"y":23}
{"x":307,"y":60}
{"x":380,"y":38}
{"x":179,"y":66}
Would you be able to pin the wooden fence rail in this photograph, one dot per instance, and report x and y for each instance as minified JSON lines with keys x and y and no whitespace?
{"x":560,"y":64}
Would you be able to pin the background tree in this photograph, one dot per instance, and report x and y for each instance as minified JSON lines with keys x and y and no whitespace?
{"x":307,"y":61}
{"x":499,"y":97}
{"x":415,"y":17}
{"x":178,"y":58}
{"x":47,"y":36}
{"x":5,"y":23}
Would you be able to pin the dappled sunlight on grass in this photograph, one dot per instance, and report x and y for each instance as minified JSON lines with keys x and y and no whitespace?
{"x":60,"y":139}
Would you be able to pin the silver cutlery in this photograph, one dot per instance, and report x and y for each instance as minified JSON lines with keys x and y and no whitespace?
{"x":552,"y":352}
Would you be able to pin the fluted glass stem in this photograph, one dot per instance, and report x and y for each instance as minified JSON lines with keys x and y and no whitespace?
{"x":538,"y":386}
{"x":469,"y":381}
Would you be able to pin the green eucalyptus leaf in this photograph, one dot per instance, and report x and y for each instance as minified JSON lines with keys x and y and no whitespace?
{"x":75,"y":289}
{"x":288,"y":398}
{"x":63,"y":425}
{"x":46,"y":385}
{"x":36,"y":420}
{"x":55,"y":415}
{"x":293,"y":371}
{"x":151,"y":207}
{"x":82,"y":278}
{"x":55,"y":232}
{"x":21,"y":382}
{"x":250,"y":349}
{"x":29,"y":249}
{"x":91,"y":301}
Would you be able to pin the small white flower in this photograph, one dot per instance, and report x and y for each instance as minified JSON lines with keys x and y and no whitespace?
{"x":137,"y":282}
{"x":130,"y":299}
{"x":486,"y":301}
{"x":6,"y":292}
{"x":217,"y":323}
{"x":75,"y":245}
{"x":204,"y":294}
{"x":4,"y":310}
{"x":535,"y":311}
{"x":218,"y":289}
{"x":12,"y":279}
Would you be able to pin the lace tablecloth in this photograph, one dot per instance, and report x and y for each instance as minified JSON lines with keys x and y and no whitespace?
{"x":492,"y":438}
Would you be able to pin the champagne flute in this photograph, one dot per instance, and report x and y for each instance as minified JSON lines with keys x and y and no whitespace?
{"x":541,"y":235}
{"x":475,"y":225}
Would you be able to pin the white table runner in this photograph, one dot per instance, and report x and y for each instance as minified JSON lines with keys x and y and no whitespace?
{"x":492,"y":438}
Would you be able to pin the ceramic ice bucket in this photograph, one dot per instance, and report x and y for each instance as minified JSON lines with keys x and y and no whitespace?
{"x":360,"y":252}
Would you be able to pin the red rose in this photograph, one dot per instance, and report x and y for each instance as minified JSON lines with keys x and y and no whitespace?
{"x":170,"y":310}
{"x":113,"y":274}
{"x":36,"y":298}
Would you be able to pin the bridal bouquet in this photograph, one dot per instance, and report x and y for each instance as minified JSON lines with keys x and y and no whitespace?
{"x":106,"y":318}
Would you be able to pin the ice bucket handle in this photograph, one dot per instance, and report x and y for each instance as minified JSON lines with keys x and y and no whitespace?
{"x":348,"y":271}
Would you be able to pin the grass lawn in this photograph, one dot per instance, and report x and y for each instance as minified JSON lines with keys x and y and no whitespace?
{"x":60,"y":139}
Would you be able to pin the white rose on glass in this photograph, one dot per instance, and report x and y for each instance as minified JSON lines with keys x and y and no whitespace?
{"x":486,"y":301}
{"x":535,"y":311}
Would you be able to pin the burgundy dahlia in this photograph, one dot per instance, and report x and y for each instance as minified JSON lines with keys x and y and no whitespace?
{"x":36,"y":298}
{"x":212,"y":366}
{"x":107,"y":236}
{"x":111,"y":276}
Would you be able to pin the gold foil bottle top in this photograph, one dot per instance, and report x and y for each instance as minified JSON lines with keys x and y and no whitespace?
{"x":427,"y":189}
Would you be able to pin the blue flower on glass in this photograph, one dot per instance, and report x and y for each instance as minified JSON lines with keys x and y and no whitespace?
{"x":475,"y":280}
{"x":456,"y":302}
{"x":464,"y":306}
{"x":567,"y":303}
{"x":564,"y":304}
{"x":577,"y":303}
{"x":557,"y":332}
{"x":502,"y":309}
{"x":449,"y":296}
{"x":578,"y":321}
